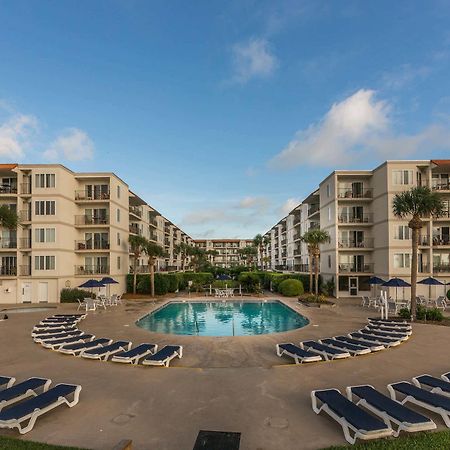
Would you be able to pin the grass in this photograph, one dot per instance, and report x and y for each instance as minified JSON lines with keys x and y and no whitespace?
{"x":7,"y":443}
{"x":421,"y":441}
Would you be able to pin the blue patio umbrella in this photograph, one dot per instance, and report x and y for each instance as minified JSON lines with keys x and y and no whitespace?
{"x":396,"y":282}
{"x":92,"y":284}
{"x":430,"y":281}
{"x":373,"y":281}
{"x":108,"y":281}
{"x":223,"y":277}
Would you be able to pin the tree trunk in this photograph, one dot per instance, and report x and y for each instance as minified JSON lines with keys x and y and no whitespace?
{"x":316,"y":267}
{"x":134,"y":274}
{"x":152,"y":277}
{"x":310,"y":272}
{"x":415,"y":244}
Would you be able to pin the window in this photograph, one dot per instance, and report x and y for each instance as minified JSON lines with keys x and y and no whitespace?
{"x":329,"y":261}
{"x":329,"y":214}
{"x":118,"y":263}
{"x":118,"y":191}
{"x":402,"y":260}
{"x":44,"y":263}
{"x":403,"y":232}
{"x":44,"y":235}
{"x":118,"y":238}
{"x":44,"y":208}
{"x":402,"y":177}
{"x":328,"y":190}
{"x":45,"y":180}
{"x":118,"y":215}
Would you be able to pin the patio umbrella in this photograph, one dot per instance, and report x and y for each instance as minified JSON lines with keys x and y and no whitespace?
{"x":430,"y":281}
{"x":108,"y":281}
{"x":373,"y":281}
{"x":91,"y":284}
{"x":396,"y":282}
{"x":224,"y":276}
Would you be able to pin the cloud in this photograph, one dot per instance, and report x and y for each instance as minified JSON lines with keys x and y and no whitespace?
{"x":405,"y":75}
{"x":256,"y":203}
{"x":289,"y":205}
{"x":332,"y":141}
{"x":252,"y":59}
{"x":73,"y":144}
{"x":15,"y":135}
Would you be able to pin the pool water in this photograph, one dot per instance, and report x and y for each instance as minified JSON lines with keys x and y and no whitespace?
{"x":223,"y":318}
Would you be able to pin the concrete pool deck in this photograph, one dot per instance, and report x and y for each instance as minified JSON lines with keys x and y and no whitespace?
{"x":222,"y":383}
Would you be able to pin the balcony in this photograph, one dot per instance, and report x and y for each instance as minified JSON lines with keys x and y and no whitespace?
{"x":424,"y":240}
{"x":25,"y":215}
{"x":8,"y":243}
{"x":441,"y":268}
{"x":134,"y":228}
{"x":355,"y":268}
{"x":8,"y":271}
{"x":25,"y":271}
{"x":441,"y":186}
{"x":359,"y":218}
{"x":24,"y":243}
{"x":91,"y":245}
{"x":91,"y":220}
{"x":351,"y":243}
{"x":92,"y":270}
{"x":349,"y":194}
{"x":135,"y":211}
{"x":313,"y":209}
{"x":84,"y":195}
{"x":25,"y":189}
{"x":441,"y":240}
{"x":423,"y":268}
{"x":301,"y":267}
{"x":141,"y":269}
{"x":7,"y":189}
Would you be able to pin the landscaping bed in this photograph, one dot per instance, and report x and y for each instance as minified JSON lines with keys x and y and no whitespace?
{"x":8,"y":443}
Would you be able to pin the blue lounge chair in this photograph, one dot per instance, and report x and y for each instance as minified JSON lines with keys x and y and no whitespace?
{"x":36,"y":333}
{"x":390,"y":323}
{"x":51,"y":326}
{"x":374,"y":347}
{"x":328,"y":353}
{"x":355,"y":422}
{"x":23,"y":415}
{"x":437,"y":385}
{"x":437,"y":403}
{"x":55,"y":344}
{"x":377,"y":340}
{"x":164,"y":356}
{"x":56,"y":320}
{"x":49,"y":337}
{"x":389,"y":329}
{"x":390,"y":411}
{"x":104,"y":352}
{"x":22,"y":390}
{"x":446,"y":376}
{"x":135,"y":354}
{"x":6,"y":382}
{"x":297,"y":354}
{"x":376,"y":333}
{"x":353,"y":349}
{"x":78,"y":349}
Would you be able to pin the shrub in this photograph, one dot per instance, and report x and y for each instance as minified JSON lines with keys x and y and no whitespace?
{"x":435,"y":315}
{"x":198,"y":278}
{"x":311,"y":298}
{"x":251,"y":281}
{"x":274,"y":279}
{"x":74,"y":294}
{"x":423,"y":313}
{"x":222,"y":284}
{"x":172,"y":282}
{"x":404,"y":313}
{"x":291,"y":288}
{"x":448,"y":294}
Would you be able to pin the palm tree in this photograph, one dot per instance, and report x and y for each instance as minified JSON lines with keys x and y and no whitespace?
{"x":8,"y":218}
{"x":137,"y":244}
{"x":258,"y":242}
{"x":266,"y":242}
{"x":182,"y":249}
{"x":248,"y":254}
{"x":211,"y":254}
{"x":153,"y":251}
{"x":417,"y":203}
{"x":314,"y":239}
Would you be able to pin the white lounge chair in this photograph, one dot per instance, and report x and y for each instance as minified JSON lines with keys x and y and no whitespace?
{"x":164,"y":356}
{"x":328,"y":353}
{"x":19,"y":391}
{"x":135,"y":354}
{"x":104,"y":352}
{"x":299,"y":355}
{"x":6,"y":382}
{"x":436,"y":385}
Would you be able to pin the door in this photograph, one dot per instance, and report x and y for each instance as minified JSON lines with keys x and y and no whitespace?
{"x":42,"y":292}
{"x":357,"y":189}
{"x":353,"y":286}
{"x":358,"y":263}
{"x":26,"y":292}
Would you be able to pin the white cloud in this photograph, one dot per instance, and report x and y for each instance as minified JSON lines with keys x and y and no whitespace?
{"x":404,"y":75}
{"x":289,"y":205}
{"x":256,"y":203}
{"x":73,"y":144}
{"x":332,"y":141}
{"x":252,"y":59}
{"x":15,"y":135}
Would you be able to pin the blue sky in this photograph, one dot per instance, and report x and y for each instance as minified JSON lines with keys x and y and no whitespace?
{"x":223,"y":115}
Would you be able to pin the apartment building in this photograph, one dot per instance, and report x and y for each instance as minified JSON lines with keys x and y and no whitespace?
{"x":355,"y":207}
{"x":226,"y":251}
{"x":73,"y":227}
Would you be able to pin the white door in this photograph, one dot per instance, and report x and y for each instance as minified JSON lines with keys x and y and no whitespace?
{"x":26,"y":292}
{"x":42,"y":292}
{"x":353,"y":286}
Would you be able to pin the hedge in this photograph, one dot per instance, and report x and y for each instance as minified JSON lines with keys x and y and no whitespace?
{"x":291,"y":288}
{"x":73,"y":295}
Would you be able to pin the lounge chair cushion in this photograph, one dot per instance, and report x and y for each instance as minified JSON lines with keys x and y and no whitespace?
{"x":136,"y":351}
{"x":323,"y":348}
{"x":21,"y":388}
{"x":164,"y":353}
{"x":436,"y":400}
{"x":291,"y":348}
{"x":434,"y":382}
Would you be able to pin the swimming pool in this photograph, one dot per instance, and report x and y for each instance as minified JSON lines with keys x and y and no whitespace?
{"x":228,"y":318}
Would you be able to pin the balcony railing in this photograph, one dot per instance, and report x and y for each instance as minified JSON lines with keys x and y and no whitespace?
{"x":25,"y":215}
{"x":442,"y":186}
{"x":349,"y":193}
{"x":85,"y":195}
{"x":441,"y":240}
{"x":355,"y":268}
{"x":134,"y":228}
{"x":25,"y":271}
{"x":91,"y":220}
{"x":92,"y":270}
{"x":424,"y":240}
{"x":141,"y":269}
{"x":313,"y":209}
{"x":360,"y":218}
{"x":6,"y":271}
{"x":136,"y":211}
{"x":441,"y":268}
{"x":25,"y":243}
{"x":351,"y":243}
{"x":423,"y":268}
{"x":8,"y":189}
{"x":301,"y":267}
{"x":8,"y":243}
{"x":25,"y":188}
{"x":91,"y":245}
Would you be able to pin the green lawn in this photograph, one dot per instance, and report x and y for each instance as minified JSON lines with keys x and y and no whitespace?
{"x":7,"y":443}
{"x":422,"y":441}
